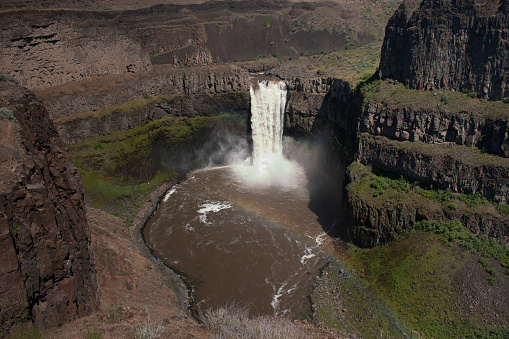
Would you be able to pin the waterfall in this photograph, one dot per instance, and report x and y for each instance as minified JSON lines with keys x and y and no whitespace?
{"x":267,"y":165}
{"x":268,"y":100}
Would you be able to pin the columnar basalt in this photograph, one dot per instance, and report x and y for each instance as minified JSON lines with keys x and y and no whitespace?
{"x":455,"y":45}
{"x":48,"y":266}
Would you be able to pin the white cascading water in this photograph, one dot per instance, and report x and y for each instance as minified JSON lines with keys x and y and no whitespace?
{"x":268,"y":166}
{"x":268,"y":100}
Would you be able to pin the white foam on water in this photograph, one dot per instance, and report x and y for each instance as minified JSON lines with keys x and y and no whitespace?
{"x":321,"y":239}
{"x":212,"y":207}
{"x":169,"y":193}
{"x":308,"y":255}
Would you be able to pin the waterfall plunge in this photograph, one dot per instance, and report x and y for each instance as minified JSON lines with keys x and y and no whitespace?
{"x":268,"y":166}
{"x":268,"y":100}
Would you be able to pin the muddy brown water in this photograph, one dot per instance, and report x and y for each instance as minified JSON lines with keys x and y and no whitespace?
{"x":257,"y":246}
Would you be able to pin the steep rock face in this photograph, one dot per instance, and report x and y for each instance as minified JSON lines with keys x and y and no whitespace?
{"x":378,"y":220}
{"x":436,"y":126}
{"x":446,"y":167}
{"x":80,"y":128}
{"x":94,"y":93}
{"x":458,"y":45}
{"x":48,"y":267}
{"x":45,"y":49}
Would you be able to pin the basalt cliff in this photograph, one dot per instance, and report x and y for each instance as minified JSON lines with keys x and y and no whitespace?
{"x":452,"y":45}
{"x":133,"y":92}
{"x":48,"y":267}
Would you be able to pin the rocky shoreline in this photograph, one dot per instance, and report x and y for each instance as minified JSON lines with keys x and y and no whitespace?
{"x":172,"y":279}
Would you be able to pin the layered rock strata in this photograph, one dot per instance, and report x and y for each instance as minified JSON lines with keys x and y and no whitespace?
{"x":81,"y":126}
{"x":44,"y":49}
{"x":457,"y":168}
{"x":95,"y":93}
{"x":435,"y":118}
{"x":48,"y":267}
{"x":378,"y":219}
{"x":455,"y":45}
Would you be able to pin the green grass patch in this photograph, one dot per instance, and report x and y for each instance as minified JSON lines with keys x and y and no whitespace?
{"x":138,"y":153}
{"x":121,"y":200}
{"x":129,"y":107}
{"x":120,"y":170}
{"x":414,"y":276}
{"x":266,"y":21}
{"x":341,"y":299}
{"x":397,"y":96}
{"x":6,"y":113}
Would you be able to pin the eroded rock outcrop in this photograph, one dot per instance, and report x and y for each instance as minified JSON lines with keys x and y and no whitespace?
{"x":48,"y":267}
{"x":446,"y":167}
{"x":95,"y":93}
{"x":455,"y":45}
{"x":378,"y":218}
{"x":45,"y":49}
{"x":433,"y":118}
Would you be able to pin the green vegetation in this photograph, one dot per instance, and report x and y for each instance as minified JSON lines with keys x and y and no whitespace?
{"x":369,"y":85}
{"x":266,"y":21}
{"x":6,"y":113}
{"x":396,"y":193}
{"x":343,"y":300}
{"x":121,"y":169}
{"x":397,"y":96}
{"x":503,"y":209}
{"x":452,"y":232}
{"x":414,"y":276}
{"x":137,"y":154}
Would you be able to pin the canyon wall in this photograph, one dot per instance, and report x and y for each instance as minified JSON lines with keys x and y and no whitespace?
{"x":438,"y":124}
{"x":44,"y":49}
{"x":455,"y":45}
{"x":48,"y":267}
{"x":97,"y":92}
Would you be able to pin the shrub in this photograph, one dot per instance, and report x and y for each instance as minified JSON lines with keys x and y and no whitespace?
{"x":503,"y":209}
{"x":438,"y":195}
{"x":149,"y":330}
{"x":92,"y":333}
{"x":445,"y":99}
{"x":472,"y":200}
{"x":472,"y":94}
{"x":233,"y":322}
{"x":7,"y":114}
{"x":453,"y":206}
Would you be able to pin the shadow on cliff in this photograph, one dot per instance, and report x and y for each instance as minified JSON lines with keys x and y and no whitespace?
{"x":325,"y":174}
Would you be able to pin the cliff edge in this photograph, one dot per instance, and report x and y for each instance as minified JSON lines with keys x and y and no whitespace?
{"x":453,"y":45}
{"x":48,"y":268}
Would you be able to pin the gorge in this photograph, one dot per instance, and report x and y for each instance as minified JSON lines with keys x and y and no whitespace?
{"x":395,"y":221}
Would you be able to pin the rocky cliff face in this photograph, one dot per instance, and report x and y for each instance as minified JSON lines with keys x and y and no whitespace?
{"x":444,"y":167}
{"x":378,"y":218}
{"x":93,"y":94}
{"x":44,"y":49}
{"x":425,"y":117}
{"x":455,"y":45}
{"x":48,"y":268}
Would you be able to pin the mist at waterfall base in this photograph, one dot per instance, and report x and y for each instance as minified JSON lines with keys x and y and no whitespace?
{"x":248,"y":233}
